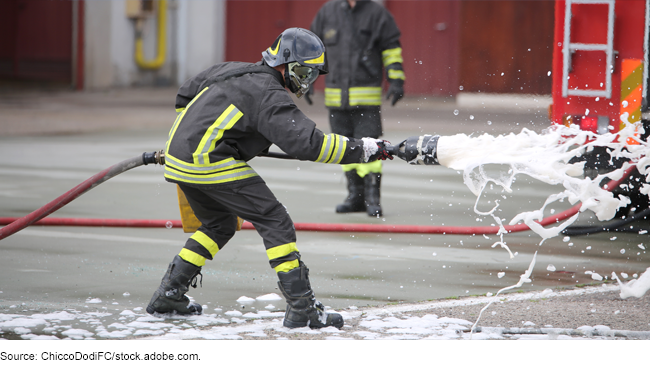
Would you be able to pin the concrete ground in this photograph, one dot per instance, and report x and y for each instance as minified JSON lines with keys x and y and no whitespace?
{"x":53,"y":140}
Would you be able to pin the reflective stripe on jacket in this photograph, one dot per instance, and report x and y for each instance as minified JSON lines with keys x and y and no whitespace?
{"x":226,"y":123}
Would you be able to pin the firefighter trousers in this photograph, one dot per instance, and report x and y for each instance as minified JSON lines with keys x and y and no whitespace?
{"x":218,"y":208}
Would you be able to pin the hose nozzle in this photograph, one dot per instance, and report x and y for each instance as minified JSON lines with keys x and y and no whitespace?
{"x":156,"y":157}
{"x":418,"y":150}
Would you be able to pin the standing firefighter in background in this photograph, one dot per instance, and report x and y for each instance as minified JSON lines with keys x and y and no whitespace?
{"x":227,"y":115}
{"x":360,"y":38}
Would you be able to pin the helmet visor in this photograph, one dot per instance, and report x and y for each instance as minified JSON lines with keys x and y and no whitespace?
{"x":302,"y":77}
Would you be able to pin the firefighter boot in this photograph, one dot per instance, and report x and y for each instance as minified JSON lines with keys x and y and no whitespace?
{"x":170,"y":296}
{"x":355,"y":202}
{"x":372,"y":184}
{"x":302,"y":307}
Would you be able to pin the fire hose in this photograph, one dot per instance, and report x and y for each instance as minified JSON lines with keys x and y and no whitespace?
{"x":37,"y":217}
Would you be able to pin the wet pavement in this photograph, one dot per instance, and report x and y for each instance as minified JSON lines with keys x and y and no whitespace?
{"x":53,"y":141}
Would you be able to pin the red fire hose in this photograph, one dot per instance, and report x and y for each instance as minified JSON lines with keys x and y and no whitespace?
{"x":37,"y":217}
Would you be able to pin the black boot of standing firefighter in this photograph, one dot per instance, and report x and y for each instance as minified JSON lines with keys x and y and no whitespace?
{"x":302,"y":307}
{"x":170,"y":296}
{"x":372,"y":185}
{"x":355,"y":201}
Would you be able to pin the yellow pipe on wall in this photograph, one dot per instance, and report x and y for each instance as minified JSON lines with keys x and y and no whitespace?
{"x":157,"y":62}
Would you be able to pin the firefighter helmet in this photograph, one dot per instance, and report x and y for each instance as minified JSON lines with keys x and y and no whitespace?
{"x":297,"y":45}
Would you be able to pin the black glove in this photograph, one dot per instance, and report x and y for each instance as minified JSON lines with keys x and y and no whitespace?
{"x":383,"y":149}
{"x":308,"y":96}
{"x":396,"y":90}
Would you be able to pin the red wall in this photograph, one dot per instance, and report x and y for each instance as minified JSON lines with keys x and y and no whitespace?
{"x":429,"y":44}
{"x":36,"y":40}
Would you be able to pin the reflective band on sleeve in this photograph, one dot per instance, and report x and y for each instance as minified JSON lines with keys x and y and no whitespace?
{"x":206,"y":242}
{"x":282,"y":250}
{"x":390,"y":56}
{"x":333,"y":148}
{"x":365,"y":96}
{"x":225,"y":121}
{"x":287,"y":266}
{"x":332,"y":97}
{"x":192,"y":257}
{"x":396,"y":74}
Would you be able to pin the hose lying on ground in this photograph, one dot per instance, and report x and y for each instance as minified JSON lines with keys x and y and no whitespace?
{"x":74,"y":193}
{"x":616,"y":226}
{"x":37,"y":217}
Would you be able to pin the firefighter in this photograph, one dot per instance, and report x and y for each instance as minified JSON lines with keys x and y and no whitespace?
{"x":227,"y":115}
{"x":361,"y":39}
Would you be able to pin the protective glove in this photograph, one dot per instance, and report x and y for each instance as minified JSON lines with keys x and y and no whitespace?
{"x":396,"y":90}
{"x":376,"y":149}
{"x":419,"y":150}
{"x":308,"y":96}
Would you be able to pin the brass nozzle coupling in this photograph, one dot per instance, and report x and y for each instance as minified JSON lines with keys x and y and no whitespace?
{"x":157,"y":157}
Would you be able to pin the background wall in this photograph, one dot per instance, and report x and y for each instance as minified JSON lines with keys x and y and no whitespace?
{"x":448,"y":45}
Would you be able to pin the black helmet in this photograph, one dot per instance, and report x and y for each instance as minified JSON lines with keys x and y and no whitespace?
{"x":303,"y":53}
{"x":297,"y":45}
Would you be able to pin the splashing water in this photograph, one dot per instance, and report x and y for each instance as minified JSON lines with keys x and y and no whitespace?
{"x":547,"y":157}
{"x":544,"y":157}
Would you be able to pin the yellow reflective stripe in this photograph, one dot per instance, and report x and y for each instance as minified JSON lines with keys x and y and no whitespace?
{"x":282,"y":250}
{"x":225,"y":121}
{"x":206,"y":242}
{"x":178,"y":110}
{"x":333,"y":148}
{"x":277,"y":47}
{"x":219,"y":166}
{"x":332,"y":97}
{"x":364,"y":169}
{"x":396,"y":74}
{"x":390,"y":56}
{"x":192,"y":257}
{"x":180,"y":116}
{"x":325,"y":148}
{"x":218,"y":178}
{"x":365,"y":96}
{"x":287,"y":266}
{"x":319,"y":59}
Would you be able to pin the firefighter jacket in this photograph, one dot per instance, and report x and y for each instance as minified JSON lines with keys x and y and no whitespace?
{"x":358,"y":42}
{"x":223,"y":124}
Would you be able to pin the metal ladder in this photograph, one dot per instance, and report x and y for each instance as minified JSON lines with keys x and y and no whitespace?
{"x":568,"y":48}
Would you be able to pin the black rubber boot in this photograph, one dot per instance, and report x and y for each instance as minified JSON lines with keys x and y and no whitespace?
{"x":355,"y":202}
{"x":302,"y":307}
{"x":372,"y":191}
{"x":170,"y":296}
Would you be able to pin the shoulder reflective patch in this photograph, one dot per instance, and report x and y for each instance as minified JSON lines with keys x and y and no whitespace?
{"x":213,"y":134}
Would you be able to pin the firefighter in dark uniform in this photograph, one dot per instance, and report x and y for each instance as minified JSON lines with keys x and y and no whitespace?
{"x":227,"y":115}
{"x":361,"y":39}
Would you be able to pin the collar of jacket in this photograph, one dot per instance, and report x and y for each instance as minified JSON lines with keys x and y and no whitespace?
{"x":346,"y":5}
{"x":278,"y":75}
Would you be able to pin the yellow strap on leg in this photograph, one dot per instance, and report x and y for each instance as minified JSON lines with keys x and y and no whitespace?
{"x":188,"y":218}
{"x":192,"y":257}
{"x":364,"y":169}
